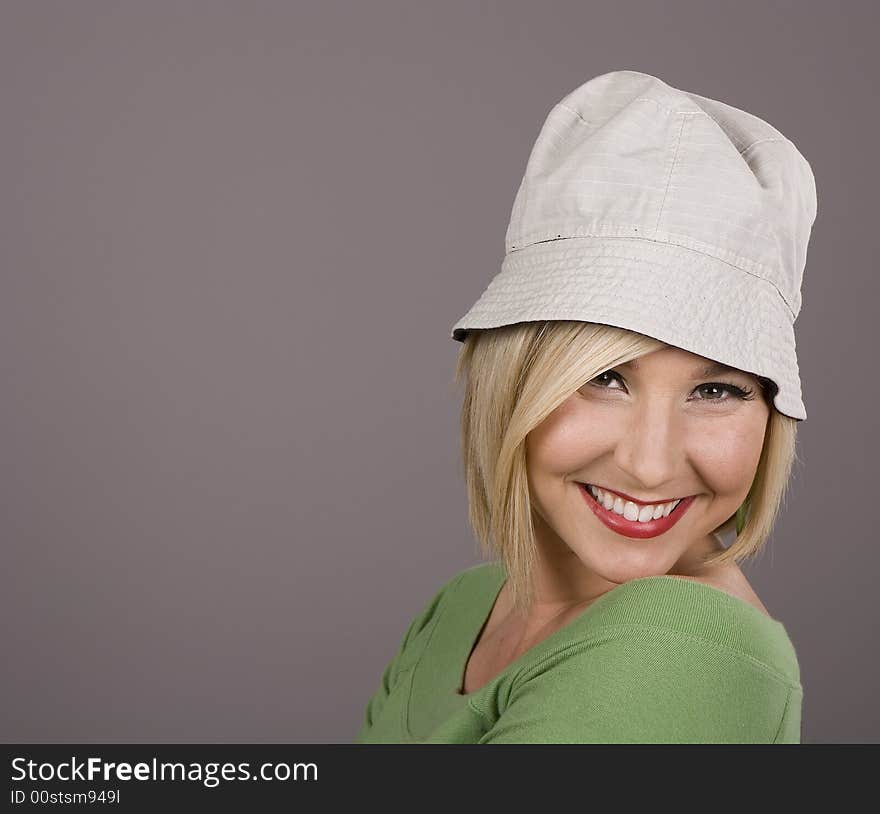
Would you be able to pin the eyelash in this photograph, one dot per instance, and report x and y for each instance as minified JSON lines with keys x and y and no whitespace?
{"x":746,"y":394}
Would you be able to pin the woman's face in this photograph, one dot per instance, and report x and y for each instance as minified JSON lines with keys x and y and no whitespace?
{"x":655,"y":429}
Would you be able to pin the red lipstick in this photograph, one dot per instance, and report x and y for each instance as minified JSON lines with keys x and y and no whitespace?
{"x":632,"y":528}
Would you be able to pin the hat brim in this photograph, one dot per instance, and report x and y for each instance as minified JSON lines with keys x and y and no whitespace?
{"x":673,"y":293}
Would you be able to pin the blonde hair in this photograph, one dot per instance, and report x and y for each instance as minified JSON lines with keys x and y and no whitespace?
{"x":515,"y":376}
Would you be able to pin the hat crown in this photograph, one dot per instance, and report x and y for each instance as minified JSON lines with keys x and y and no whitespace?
{"x":627,"y":155}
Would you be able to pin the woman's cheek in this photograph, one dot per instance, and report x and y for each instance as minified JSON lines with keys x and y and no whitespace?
{"x":727,"y":458}
{"x":560,"y":442}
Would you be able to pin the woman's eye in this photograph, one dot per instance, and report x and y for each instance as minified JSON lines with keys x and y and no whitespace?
{"x":601,"y":379}
{"x":710,"y":391}
{"x":720,"y":387}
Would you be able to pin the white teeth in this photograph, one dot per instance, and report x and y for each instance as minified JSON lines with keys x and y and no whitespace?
{"x":632,"y":511}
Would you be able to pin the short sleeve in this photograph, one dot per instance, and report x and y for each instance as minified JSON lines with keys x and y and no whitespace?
{"x":644,"y":685}
{"x":393,"y":668}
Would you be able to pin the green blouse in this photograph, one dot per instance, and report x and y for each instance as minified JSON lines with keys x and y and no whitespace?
{"x":655,"y":660}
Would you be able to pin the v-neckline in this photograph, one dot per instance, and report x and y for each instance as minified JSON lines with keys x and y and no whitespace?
{"x":485,"y":615}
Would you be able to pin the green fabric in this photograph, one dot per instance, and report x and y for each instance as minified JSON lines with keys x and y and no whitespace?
{"x":656,"y":660}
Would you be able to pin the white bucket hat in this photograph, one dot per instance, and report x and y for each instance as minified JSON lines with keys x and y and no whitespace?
{"x":666,"y":213}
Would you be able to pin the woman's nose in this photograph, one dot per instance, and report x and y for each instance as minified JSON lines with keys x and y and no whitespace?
{"x":649,"y":448}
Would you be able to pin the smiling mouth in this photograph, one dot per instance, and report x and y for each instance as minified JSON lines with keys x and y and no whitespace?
{"x":658,"y":509}
{"x":625,"y":497}
{"x":626,"y":522}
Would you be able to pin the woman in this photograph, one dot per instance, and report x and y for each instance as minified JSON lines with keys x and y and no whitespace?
{"x":631,"y":394}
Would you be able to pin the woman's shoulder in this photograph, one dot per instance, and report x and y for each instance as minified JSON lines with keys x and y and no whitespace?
{"x":471,"y":581}
{"x":732,"y":581}
{"x":663,"y":598}
{"x":718,"y":613}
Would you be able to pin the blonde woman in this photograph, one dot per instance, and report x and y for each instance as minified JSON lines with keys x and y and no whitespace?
{"x":631,"y":397}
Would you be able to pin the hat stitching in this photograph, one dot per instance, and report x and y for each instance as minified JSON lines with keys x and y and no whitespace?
{"x":666,"y":243}
{"x":639,"y":99}
{"x":669,"y":176}
{"x":759,"y":141}
{"x":672,"y":239}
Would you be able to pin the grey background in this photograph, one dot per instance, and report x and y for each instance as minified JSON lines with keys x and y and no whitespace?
{"x":235,"y":237}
